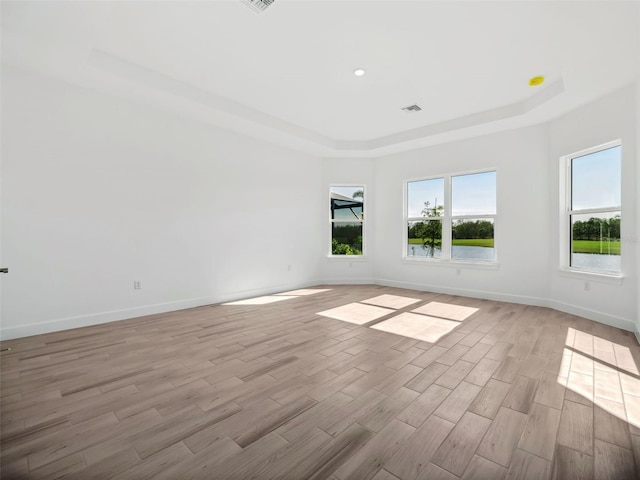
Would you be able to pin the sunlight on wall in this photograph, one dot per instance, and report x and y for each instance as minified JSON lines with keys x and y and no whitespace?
{"x":266,"y":299}
{"x":602,"y":372}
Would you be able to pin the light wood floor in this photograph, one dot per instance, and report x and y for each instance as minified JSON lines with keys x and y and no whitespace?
{"x":276,"y":391}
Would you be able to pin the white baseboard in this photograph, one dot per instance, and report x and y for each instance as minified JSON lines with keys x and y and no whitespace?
{"x":115,"y":315}
{"x":98,"y":318}
{"x":595,"y":315}
{"x":611,"y":320}
{"x":464,"y":292}
{"x":348,"y":281}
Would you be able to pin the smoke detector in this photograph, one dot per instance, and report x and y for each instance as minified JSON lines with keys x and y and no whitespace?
{"x":258,"y":5}
{"x":412,"y":108}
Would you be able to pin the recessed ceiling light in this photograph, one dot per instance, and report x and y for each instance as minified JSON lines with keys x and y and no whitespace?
{"x":358,"y":72}
{"x":535,"y":81}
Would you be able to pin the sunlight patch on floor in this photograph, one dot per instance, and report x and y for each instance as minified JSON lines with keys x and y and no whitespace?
{"x":278,"y":297}
{"x":264,"y":300}
{"x":420,"y":327}
{"x":602,"y":372}
{"x":357,"y":313}
{"x":446,"y":310}
{"x":391,"y":301}
{"x":304,"y":291}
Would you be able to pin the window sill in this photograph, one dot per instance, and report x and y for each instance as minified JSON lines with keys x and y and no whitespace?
{"x":347,"y":258}
{"x":613,"y":279}
{"x":452,"y":263}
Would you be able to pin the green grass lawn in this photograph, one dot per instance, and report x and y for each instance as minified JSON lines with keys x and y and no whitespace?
{"x":468,"y":242}
{"x":474,"y":242}
{"x":579,"y":246}
{"x":593,"y":246}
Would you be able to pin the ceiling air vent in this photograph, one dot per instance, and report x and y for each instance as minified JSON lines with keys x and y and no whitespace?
{"x":412,"y":108}
{"x":258,"y":5}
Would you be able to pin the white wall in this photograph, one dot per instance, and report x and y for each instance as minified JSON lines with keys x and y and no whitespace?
{"x":522,"y":229}
{"x":98,"y":192}
{"x":527,"y":227}
{"x":607,"y":119}
{"x":349,"y":171}
{"x":636,"y":239}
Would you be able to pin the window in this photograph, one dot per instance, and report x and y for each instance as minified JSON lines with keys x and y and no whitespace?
{"x":452,"y":217}
{"x":425,"y":216}
{"x":347,"y":219}
{"x":473,"y":213}
{"x":594,"y":209}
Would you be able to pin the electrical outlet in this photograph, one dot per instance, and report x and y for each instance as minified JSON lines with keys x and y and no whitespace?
{"x":289,"y":267}
{"x":458,"y":271}
{"x":137,"y":285}
{"x":587,"y":286}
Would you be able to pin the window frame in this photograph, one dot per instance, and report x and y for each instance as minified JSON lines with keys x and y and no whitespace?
{"x":567,"y":212}
{"x":362,"y":221}
{"x":447,"y":219}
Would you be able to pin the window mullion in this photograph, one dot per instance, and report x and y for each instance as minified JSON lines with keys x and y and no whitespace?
{"x":587,"y":211}
{"x":446,"y":221}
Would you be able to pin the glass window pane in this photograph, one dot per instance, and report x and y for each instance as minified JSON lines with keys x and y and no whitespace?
{"x":347,"y":203}
{"x":473,"y":239}
{"x":425,"y":198}
{"x":595,"y":243}
{"x":346,"y":238}
{"x":473,"y":194}
{"x":425,"y":239}
{"x":595,"y":179}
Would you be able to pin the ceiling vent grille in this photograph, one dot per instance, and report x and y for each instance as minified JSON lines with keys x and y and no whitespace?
{"x":412,"y":108}
{"x":258,"y":5}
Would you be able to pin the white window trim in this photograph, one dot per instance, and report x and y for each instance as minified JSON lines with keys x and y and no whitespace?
{"x":447,"y":222}
{"x":565,"y":268}
{"x":445,"y":219}
{"x":452,"y":264}
{"x":349,"y":258}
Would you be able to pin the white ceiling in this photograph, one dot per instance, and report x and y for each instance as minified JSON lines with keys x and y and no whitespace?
{"x":286,"y":75}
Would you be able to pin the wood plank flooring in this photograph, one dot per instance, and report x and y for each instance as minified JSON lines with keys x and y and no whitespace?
{"x":300,"y":386}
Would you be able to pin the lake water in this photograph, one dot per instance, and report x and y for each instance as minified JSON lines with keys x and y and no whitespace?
{"x":485,"y":254}
{"x":458,"y":252}
{"x":596,"y":261}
